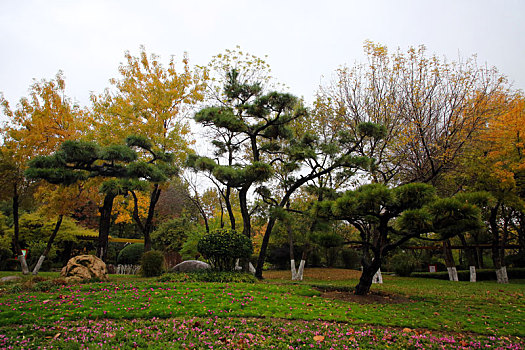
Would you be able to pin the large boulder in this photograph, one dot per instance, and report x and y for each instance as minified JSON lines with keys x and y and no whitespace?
{"x":10,"y":279}
{"x":84,"y":267}
{"x":190,"y":266}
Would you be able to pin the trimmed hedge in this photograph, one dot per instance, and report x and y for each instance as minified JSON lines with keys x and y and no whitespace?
{"x":223,"y":247}
{"x":131,"y":254}
{"x":152,"y":263}
{"x":208,"y":276}
{"x":481,"y":274}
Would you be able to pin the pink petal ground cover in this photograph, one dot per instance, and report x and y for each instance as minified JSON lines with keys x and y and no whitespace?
{"x":264,"y":316}
{"x":235,"y":333}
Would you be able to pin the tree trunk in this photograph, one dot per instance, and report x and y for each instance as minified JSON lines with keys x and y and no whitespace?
{"x":365,"y":282}
{"x":479,"y":258}
{"x":300,"y":270}
{"x":449,"y":261}
{"x":471,"y":257}
{"x":245,"y":212}
{"x":16,"y":235}
{"x":104,"y":226}
{"x":521,"y":232}
{"x":293,"y":270}
{"x":264,"y":247}
{"x":148,"y":226}
{"x":48,"y":246}
{"x":499,"y":263}
{"x":469,"y":251}
{"x":229,"y":207}
{"x":290,"y":245}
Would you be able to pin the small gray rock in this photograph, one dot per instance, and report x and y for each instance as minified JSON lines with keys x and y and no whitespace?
{"x":189,"y":266}
{"x":10,"y":279}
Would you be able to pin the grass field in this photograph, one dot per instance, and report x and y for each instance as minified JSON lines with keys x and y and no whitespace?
{"x":320,"y":312}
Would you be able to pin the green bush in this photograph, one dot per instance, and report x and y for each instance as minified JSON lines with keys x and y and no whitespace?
{"x":172,"y":234}
{"x":209,"y":276}
{"x":222,"y":247}
{"x":189,"y":249}
{"x":131,"y":254}
{"x":402,"y":264}
{"x":152,"y":263}
{"x":481,"y":274}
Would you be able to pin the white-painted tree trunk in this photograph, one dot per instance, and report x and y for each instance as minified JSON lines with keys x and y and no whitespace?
{"x":472,"y":273}
{"x":300,"y":271}
{"x":378,"y":277}
{"x":23,"y":264}
{"x":39,"y":264}
{"x":452,"y":274}
{"x":292,"y":269}
{"x":251,"y":268}
{"x":297,"y":274}
{"x":501,"y":275}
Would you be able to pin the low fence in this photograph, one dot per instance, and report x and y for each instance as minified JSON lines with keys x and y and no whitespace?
{"x":121,"y":269}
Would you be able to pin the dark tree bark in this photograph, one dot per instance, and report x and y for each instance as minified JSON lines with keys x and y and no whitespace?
{"x":229,"y":208}
{"x":365,"y":281}
{"x":449,"y":261}
{"x":49,"y":245}
{"x":16,"y":235}
{"x":147,"y":227}
{"x":264,"y":247}
{"x":497,"y":256}
{"x":247,"y":227}
{"x":104,"y":226}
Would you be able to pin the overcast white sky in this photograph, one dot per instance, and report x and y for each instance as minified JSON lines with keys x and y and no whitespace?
{"x":305,"y":40}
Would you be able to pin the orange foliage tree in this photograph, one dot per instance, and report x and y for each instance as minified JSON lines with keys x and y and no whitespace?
{"x":36,"y":127}
{"x":495,"y":163}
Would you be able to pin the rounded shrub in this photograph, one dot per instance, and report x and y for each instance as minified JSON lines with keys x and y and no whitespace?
{"x":223,"y":247}
{"x":131,"y":254}
{"x":152,"y":263}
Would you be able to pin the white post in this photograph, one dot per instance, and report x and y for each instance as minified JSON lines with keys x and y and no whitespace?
{"x":501,"y":275}
{"x":472,"y":273}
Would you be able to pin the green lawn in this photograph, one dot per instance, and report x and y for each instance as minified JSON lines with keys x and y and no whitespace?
{"x":127,"y":310}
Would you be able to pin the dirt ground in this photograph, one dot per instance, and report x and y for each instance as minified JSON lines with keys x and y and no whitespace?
{"x":371,"y":298}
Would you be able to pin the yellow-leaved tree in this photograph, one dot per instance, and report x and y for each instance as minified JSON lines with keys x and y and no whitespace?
{"x":38,"y":125}
{"x":495,"y":163}
{"x":150,"y":100}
